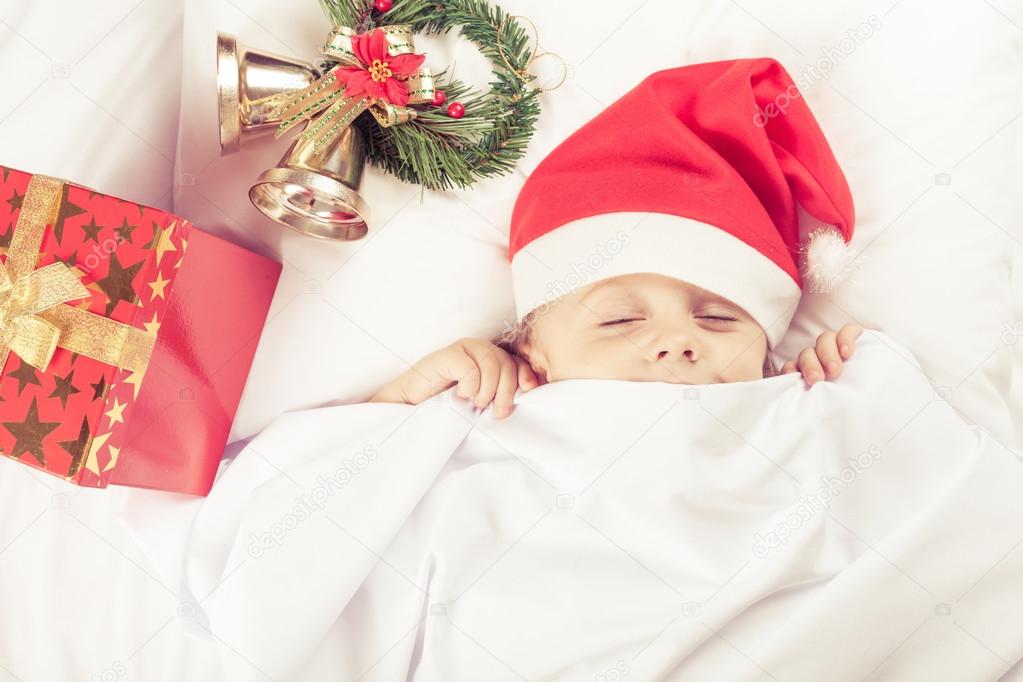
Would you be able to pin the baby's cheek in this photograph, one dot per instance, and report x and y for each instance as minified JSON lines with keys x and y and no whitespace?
{"x":583,"y":363}
{"x":751,"y":364}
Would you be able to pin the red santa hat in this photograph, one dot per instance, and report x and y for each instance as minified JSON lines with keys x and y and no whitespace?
{"x":697,"y":173}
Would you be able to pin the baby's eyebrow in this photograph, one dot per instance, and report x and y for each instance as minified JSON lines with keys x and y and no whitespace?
{"x":602,"y":286}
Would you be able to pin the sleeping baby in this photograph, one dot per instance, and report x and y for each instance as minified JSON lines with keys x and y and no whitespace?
{"x":660,"y":241}
{"x":641,"y":327}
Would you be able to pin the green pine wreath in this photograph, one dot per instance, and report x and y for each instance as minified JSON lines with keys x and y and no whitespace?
{"x":433,"y":149}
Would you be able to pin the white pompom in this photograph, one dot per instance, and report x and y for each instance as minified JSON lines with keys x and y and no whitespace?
{"x":829,"y":260}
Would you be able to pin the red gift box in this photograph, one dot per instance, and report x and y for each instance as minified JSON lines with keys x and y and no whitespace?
{"x":126,"y":335}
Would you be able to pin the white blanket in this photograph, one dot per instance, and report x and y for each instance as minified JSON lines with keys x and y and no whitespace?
{"x":614,"y":530}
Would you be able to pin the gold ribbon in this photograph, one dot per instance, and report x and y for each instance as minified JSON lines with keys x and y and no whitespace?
{"x":341,"y":110}
{"x":33,"y":317}
{"x":523,"y":73}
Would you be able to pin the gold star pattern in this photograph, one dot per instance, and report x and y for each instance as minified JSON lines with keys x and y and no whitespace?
{"x":15,"y":201}
{"x":92,"y":461}
{"x":118,"y":283}
{"x":124,"y":231}
{"x":114,"y":454}
{"x":116,"y":413}
{"x":162,"y":241}
{"x":158,"y":285}
{"x":99,"y":389}
{"x":135,"y":379}
{"x":92,"y":231}
{"x":66,"y":210}
{"x":76,"y":448}
{"x":63,"y":389}
{"x":184,"y":247}
{"x":25,"y":374}
{"x":153,"y":326}
{"x":29,"y":434}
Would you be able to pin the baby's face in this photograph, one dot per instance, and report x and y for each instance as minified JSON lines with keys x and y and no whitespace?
{"x":647,"y":327}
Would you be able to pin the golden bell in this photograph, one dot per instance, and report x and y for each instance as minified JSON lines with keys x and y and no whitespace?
{"x":316,"y":191}
{"x":250,"y":85}
{"x":313,"y":191}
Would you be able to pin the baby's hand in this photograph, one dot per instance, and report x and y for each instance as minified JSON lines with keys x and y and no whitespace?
{"x":483,"y":372}
{"x":825,"y":360}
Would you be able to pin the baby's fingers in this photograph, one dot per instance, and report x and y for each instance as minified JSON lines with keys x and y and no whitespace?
{"x":506,"y":387}
{"x":466,"y":373}
{"x":491,"y":366}
{"x":827,"y":354}
{"x":846,"y":339}
{"x":810,"y":366}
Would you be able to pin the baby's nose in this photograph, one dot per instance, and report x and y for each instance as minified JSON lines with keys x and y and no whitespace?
{"x":687,"y":354}
{"x":676,"y":341}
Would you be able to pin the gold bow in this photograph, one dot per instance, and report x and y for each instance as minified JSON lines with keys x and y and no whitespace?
{"x":341,"y":110}
{"x":33,"y":317}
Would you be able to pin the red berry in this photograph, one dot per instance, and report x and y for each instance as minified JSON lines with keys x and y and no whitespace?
{"x":439,"y":97}
{"x":456,"y":110}
{"x":383,"y":5}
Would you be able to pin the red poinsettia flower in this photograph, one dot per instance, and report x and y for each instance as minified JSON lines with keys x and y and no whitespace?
{"x":380,"y":75}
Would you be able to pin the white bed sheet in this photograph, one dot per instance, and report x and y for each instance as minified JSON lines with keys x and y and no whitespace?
{"x":734,"y":531}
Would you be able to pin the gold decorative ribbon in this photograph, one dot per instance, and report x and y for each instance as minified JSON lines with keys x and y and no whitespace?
{"x":534,"y":55}
{"x":33,"y":317}
{"x":341,"y":110}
